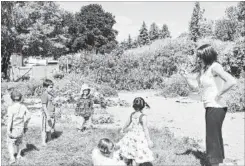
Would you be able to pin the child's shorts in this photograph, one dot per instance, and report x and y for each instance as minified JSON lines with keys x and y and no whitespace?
{"x":47,"y":125}
{"x":15,"y":141}
{"x":17,"y":137}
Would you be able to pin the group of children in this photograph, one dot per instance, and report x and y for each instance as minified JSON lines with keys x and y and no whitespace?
{"x":132,"y":149}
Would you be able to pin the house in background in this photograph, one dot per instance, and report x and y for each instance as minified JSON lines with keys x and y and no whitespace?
{"x":34,"y":67}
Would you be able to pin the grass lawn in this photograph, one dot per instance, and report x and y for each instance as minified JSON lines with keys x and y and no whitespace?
{"x":74,"y":148}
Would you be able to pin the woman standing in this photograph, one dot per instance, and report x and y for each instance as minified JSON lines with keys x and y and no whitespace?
{"x":213,"y":82}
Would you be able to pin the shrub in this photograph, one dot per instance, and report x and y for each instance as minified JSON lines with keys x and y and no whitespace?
{"x":3,"y":113}
{"x":135,"y":69}
{"x":106,"y":91}
{"x":102,"y":117}
{"x":26,"y":88}
{"x":175,"y":86}
{"x":58,"y":75}
{"x":235,"y":97}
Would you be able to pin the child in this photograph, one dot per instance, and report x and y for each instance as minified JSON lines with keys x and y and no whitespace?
{"x":48,"y":112}
{"x":84,"y":109}
{"x":18,"y":119}
{"x":136,"y":142}
{"x":104,"y":154}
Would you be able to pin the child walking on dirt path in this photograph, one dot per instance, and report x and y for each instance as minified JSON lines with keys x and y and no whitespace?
{"x":48,"y":112}
{"x":18,"y":119}
{"x":84,"y":109}
{"x":136,"y":143}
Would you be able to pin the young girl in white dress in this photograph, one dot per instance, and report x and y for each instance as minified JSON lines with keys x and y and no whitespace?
{"x":136,"y":143}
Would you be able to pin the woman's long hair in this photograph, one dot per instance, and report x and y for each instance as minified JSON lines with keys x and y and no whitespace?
{"x":207,"y":54}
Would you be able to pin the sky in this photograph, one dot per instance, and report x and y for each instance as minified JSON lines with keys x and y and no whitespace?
{"x":130,"y":15}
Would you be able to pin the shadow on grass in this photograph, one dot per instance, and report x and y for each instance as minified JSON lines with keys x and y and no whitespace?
{"x":29,"y":148}
{"x":56,"y":134}
{"x":198,"y":155}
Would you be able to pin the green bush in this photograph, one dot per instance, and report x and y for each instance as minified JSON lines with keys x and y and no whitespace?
{"x":3,"y":113}
{"x":27,"y":88}
{"x":140,"y":68}
{"x":107,"y":91}
{"x":235,"y":97}
{"x":102,"y":117}
{"x":58,"y":75}
{"x":175,"y":86}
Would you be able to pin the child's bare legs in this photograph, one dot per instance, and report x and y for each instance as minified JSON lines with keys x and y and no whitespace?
{"x":80,"y":122}
{"x":88,"y":122}
{"x":44,"y":138}
{"x":11,"y":148}
{"x":49,"y":136}
{"x":19,"y":149}
{"x":53,"y":125}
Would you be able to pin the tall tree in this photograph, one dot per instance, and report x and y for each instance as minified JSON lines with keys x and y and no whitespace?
{"x":225,"y":29}
{"x":143,"y":36}
{"x":135,"y":43}
{"x":154,"y":32}
{"x":94,"y":29}
{"x":39,"y":27}
{"x":165,"y":33}
{"x":241,"y":16}
{"x":194,"y":26}
{"x":129,"y":42}
{"x":8,"y":36}
{"x":206,"y":28}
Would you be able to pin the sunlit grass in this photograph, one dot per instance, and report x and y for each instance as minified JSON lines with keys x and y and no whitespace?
{"x":74,"y":148}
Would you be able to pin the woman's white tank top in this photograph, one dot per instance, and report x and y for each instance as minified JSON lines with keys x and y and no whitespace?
{"x":210,"y":85}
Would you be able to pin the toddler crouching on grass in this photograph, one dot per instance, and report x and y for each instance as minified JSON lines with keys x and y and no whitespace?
{"x":104,"y":154}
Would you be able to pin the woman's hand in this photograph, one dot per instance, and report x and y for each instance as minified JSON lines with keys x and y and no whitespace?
{"x":218,"y":97}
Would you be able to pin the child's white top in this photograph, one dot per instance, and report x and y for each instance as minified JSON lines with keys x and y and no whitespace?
{"x":210,"y":85}
{"x":100,"y":160}
{"x":18,"y":114}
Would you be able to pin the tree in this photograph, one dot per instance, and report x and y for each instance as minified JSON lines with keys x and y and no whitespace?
{"x":194,"y":26}
{"x":143,"y":36}
{"x":225,"y":29}
{"x":94,"y":29}
{"x":129,"y":42}
{"x":8,"y":36}
{"x":135,"y":43}
{"x":206,"y":28}
{"x":241,"y":16}
{"x":164,"y":32}
{"x":124,"y":44}
{"x":231,"y":13}
{"x":40,"y":30}
{"x":154,"y":32}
